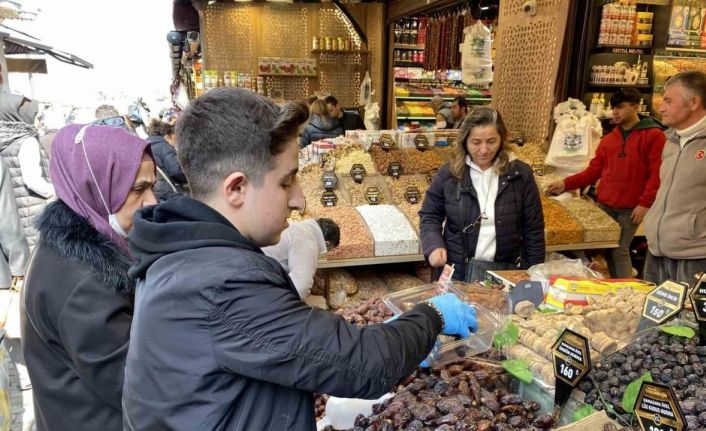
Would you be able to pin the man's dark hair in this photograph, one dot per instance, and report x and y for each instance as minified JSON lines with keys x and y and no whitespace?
{"x":693,"y":81}
{"x":461,"y":101}
{"x":331,"y":100}
{"x":311,"y":100}
{"x":625,"y":95}
{"x":159,"y":128}
{"x":233,"y":129}
{"x":332,"y":234}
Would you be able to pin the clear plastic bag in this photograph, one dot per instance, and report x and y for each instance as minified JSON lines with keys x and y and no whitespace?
{"x":559,"y":265}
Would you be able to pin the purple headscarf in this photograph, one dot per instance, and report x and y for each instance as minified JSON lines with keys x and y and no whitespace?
{"x":114,"y":156}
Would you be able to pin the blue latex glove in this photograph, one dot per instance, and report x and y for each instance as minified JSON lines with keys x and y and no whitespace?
{"x":459,"y":317}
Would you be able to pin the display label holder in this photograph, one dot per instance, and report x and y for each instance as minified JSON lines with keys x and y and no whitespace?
{"x":662,"y":304}
{"x":451,"y":140}
{"x":329,"y":199}
{"x":421,"y":142}
{"x":657,"y":409}
{"x":527,"y":290}
{"x":329,"y":180}
{"x":386,"y":142}
{"x":571,"y":358}
{"x":373,"y":195}
{"x":394,"y":169}
{"x":431,"y":174}
{"x":413,"y":195}
{"x":358,"y":173}
{"x":698,"y":303}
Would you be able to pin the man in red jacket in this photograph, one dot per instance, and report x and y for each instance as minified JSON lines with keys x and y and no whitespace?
{"x":627,"y":162}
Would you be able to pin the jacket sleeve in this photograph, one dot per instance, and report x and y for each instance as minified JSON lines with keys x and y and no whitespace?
{"x":589,"y":175}
{"x":262,"y":330}
{"x":13,"y":243}
{"x":432,"y":216}
{"x":94,"y":327}
{"x":171,"y":164}
{"x":654,"y":161}
{"x":533,"y":246}
{"x":305,"y":139}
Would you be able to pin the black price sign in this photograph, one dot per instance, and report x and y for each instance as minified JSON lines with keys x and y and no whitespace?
{"x":698,"y":303}
{"x":657,"y":409}
{"x":386,"y":141}
{"x":329,"y":179}
{"x":394,"y":169}
{"x":413,"y":195}
{"x":452,"y":140}
{"x":538,"y":169}
{"x":431,"y":174}
{"x":329,"y":199}
{"x":373,"y":196}
{"x":572,"y":361}
{"x":662,"y":304}
{"x":421,"y":142}
{"x":358,"y":172}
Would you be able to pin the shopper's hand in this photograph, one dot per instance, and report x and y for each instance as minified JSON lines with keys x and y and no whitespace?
{"x":437,"y":258}
{"x":459,"y":318}
{"x":556,"y":188}
{"x":638,"y":214}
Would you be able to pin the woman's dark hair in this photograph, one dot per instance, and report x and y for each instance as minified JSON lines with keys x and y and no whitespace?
{"x":331,"y":231}
{"x":481,"y":116}
{"x":159,"y":128}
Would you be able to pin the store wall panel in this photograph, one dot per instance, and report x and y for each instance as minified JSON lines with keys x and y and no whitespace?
{"x":527,"y":64}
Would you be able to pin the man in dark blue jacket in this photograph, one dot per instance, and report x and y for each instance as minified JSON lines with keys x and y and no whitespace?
{"x":220,"y":339}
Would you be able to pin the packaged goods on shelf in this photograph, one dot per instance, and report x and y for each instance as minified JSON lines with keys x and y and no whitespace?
{"x":579,"y":291}
{"x":390,"y":229}
{"x":382,"y":159}
{"x":597,"y":225}
{"x":400,"y":280}
{"x":423,"y":161}
{"x":560,"y":227}
{"x":398,"y":188}
{"x":356,"y":241}
{"x":339,"y":286}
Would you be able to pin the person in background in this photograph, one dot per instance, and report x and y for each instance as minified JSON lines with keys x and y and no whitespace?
{"x":53,"y":120}
{"x":13,"y":244}
{"x":221,"y":338}
{"x":482,"y":210}
{"x":627,"y":164}
{"x":106,"y":111}
{"x":310,"y":100}
{"x":459,"y":110}
{"x":321,"y":124}
{"x":28,"y":163}
{"x":675,"y":226}
{"x":299,"y":248}
{"x":348,"y":121}
{"x":170,"y":178}
{"x":78,"y":298}
{"x":442,"y":112}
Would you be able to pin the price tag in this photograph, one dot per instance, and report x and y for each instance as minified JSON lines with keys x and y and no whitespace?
{"x":662,"y":304}
{"x":413,"y":195}
{"x":698,"y":303}
{"x":421,"y":141}
{"x":447,"y":273}
{"x":386,"y":142}
{"x":452,"y":140}
{"x":572,"y":361}
{"x":657,"y":409}
{"x":329,"y":179}
{"x":358,"y":172}
{"x":329,"y":199}
{"x":538,"y":169}
{"x":373,"y":196}
{"x":394,"y":169}
{"x":431,"y":174}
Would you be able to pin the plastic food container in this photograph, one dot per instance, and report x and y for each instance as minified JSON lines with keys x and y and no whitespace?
{"x":447,"y":349}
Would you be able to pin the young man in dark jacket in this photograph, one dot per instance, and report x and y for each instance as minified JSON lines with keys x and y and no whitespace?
{"x":627,"y":164}
{"x":220,"y":338}
{"x":348,"y":121}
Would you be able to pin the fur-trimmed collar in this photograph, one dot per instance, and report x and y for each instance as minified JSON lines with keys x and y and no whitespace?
{"x":70,"y":235}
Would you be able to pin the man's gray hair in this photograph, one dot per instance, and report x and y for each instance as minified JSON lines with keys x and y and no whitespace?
{"x":693,"y":81}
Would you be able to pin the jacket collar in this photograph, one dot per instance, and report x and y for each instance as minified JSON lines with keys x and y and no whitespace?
{"x":673,"y":137}
{"x":71,"y":236}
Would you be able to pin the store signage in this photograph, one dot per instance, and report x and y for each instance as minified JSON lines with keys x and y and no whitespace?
{"x":572,"y":362}
{"x":413,"y":195}
{"x":662,"y":304}
{"x":329,"y":180}
{"x":421,"y":141}
{"x":431,"y":174}
{"x":329,"y":199}
{"x":657,"y":409}
{"x":394,"y":169}
{"x":639,"y":51}
{"x":386,"y":141}
{"x":698,"y":303}
{"x":372,"y":195}
{"x":358,"y":172}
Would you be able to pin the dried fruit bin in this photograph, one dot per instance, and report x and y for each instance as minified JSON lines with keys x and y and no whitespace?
{"x":560,"y":227}
{"x":390,"y":229}
{"x":383,"y":158}
{"x":356,"y":240}
{"x":355,"y":193}
{"x":597,"y":225}
{"x":310,"y":179}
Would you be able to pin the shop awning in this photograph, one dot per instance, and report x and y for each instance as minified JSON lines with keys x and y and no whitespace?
{"x":26,"y":65}
{"x":17,"y":42}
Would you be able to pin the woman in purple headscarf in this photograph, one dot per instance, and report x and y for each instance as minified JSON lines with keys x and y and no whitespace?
{"x":78,"y":296}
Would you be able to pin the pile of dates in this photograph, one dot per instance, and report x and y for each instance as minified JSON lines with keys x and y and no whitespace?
{"x":470,"y":396}
{"x":671,"y":360}
{"x":367,"y":312}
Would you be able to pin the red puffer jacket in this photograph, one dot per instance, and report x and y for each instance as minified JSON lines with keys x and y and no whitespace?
{"x":628,"y":169}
